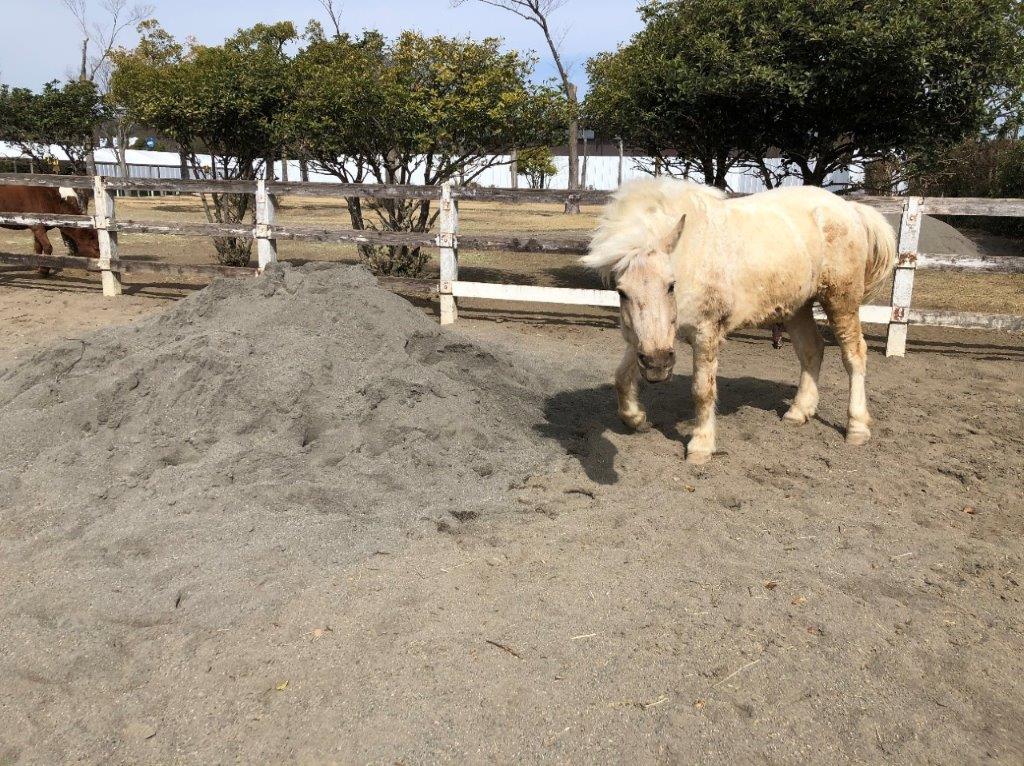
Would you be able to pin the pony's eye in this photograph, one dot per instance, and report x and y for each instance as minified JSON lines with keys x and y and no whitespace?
{"x":623,"y":295}
{"x":671,"y":288}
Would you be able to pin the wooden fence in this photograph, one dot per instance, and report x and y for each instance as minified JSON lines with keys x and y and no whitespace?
{"x":266,"y":232}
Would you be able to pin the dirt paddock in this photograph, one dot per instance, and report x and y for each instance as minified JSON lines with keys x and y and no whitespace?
{"x":793,"y":601}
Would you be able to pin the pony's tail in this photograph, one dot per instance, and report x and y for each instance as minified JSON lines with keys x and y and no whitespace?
{"x":881,"y":247}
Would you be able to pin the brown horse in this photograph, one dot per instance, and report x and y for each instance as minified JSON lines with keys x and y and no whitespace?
{"x":33,"y":199}
{"x":689,"y":262}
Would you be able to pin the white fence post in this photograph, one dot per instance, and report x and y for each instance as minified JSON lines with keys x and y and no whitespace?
{"x":903,"y":278}
{"x":447,"y":241}
{"x":106,"y":233}
{"x":266,"y":245}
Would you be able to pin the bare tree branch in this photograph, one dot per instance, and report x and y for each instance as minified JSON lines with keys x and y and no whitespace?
{"x":103,"y":36}
{"x":334,"y":14}
{"x":536,"y":12}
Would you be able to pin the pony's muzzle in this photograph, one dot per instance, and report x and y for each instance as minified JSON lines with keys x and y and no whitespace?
{"x":657,"y":365}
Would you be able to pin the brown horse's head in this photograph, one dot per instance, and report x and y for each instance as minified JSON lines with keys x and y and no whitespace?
{"x":647,"y":302}
{"x":82,"y":242}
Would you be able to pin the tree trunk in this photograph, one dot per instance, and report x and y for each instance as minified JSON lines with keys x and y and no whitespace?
{"x":572,"y":204}
{"x":722,"y":170}
{"x":284,"y":167}
{"x":815,"y":177}
{"x":304,"y":170}
{"x":90,"y":157}
{"x":83,"y":74}
{"x":514,"y":169}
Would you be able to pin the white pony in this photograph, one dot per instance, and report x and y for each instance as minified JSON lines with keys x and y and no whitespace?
{"x":689,"y":262}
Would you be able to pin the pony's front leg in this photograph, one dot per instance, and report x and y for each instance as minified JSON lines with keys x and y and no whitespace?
{"x":627,"y":389}
{"x":705,"y":395}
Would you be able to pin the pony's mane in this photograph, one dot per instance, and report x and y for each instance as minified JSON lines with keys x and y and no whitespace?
{"x":639,"y":220}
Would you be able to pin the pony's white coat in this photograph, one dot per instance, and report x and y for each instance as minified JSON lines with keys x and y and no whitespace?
{"x":689,"y":261}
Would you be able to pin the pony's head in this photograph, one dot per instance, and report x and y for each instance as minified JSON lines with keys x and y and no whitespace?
{"x":647,"y":303}
{"x":641,"y":229}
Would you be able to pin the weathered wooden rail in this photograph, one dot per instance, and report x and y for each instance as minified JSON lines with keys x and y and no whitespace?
{"x":266,"y":232}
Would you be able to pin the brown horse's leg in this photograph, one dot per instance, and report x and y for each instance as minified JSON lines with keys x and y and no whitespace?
{"x":627,"y":383}
{"x":41,"y":245}
{"x":845,"y":321}
{"x":706,"y":344}
{"x":810,"y":348}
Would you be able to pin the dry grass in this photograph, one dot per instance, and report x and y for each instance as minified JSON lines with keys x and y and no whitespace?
{"x":995,"y":293}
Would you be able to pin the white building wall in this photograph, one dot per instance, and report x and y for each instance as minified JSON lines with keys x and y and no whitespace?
{"x":602,"y":172}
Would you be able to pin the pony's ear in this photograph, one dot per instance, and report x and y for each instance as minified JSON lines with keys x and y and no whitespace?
{"x":673,"y":238}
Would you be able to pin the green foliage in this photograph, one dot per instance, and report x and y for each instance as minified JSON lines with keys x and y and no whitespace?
{"x":415,"y":109}
{"x":65,"y":116}
{"x":825,"y":82}
{"x":224,"y":100}
{"x":978,"y":168}
{"x":538,"y":165}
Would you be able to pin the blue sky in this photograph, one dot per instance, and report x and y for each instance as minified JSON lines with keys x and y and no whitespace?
{"x":39,"y":39}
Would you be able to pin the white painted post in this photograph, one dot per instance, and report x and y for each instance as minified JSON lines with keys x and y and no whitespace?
{"x":106,"y":233}
{"x":266,"y":245}
{"x":903,"y":279}
{"x":447,"y":241}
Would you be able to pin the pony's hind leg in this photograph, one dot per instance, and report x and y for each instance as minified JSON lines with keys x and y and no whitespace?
{"x":627,"y":389}
{"x":846,"y":324}
{"x":810,"y":348}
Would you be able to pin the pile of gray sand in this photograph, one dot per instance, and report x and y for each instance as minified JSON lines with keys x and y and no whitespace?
{"x":223,"y":452}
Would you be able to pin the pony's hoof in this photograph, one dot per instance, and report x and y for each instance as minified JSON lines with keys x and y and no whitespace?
{"x":697,"y":458}
{"x":795,"y":416}
{"x":637,"y":423}
{"x":857,"y":436}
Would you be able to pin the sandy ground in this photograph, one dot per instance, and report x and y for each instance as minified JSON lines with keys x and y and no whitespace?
{"x":794,"y":601}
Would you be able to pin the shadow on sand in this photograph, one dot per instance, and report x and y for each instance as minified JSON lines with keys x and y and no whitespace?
{"x":581,"y":419}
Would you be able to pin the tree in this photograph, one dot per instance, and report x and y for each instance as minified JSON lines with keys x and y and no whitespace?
{"x":537,"y":165}
{"x":413,"y":110}
{"x":224,"y":100}
{"x":63,"y":116}
{"x":826,"y":84}
{"x":687,"y":90}
{"x":538,"y":12}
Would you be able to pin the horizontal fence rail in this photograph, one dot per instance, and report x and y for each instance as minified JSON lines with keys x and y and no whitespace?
{"x":265,"y":231}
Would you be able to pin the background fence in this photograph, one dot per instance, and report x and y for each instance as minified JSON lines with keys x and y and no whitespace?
{"x":898,"y":315}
